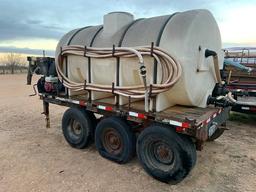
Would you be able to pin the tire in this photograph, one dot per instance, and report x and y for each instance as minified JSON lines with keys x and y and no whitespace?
{"x":189,"y":155}
{"x":164,"y":154}
{"x":115,"y":140}
{"x":78,"y":127}
{"x":216,"y":134}
{"x":94,"y":122}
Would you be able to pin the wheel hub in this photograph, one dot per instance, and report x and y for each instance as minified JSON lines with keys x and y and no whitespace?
{"x":163,"y":153}
{"x":76,"y":127}
{"x":112,"y":141}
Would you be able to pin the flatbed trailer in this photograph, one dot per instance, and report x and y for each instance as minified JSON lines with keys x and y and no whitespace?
{"x":165,"y":142}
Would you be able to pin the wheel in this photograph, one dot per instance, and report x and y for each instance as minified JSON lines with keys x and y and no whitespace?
{"x":164,"y":154}
{"x":78,"y":127}
{"x":189,"y":155}
{"x":115,"y":140}
{"x":216,"y":134}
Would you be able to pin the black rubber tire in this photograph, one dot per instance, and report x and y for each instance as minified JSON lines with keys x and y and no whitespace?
{"x":182,"y":150}
{"x":189,"y":155}
{"x":216,"y":134}
{"x":126,"y":137}
{"x":94,"y":122}
{"x":86,"y":127}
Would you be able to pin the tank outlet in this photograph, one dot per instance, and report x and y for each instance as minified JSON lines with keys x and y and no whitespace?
{"x":203,"y":61}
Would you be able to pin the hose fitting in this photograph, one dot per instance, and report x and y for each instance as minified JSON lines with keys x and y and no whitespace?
{"x":143,"y":70}
{"x":209,"y":53}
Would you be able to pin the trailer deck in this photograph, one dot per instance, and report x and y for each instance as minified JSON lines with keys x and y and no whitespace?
{"x":192,"y":121}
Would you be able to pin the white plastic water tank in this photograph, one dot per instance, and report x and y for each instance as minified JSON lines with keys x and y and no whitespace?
{"x":183,"y":35}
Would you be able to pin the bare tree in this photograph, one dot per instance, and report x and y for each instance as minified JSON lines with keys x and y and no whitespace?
{"x":13,"y":61}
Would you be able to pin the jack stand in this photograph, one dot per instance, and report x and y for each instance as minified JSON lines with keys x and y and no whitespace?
{"x":46,"y":113}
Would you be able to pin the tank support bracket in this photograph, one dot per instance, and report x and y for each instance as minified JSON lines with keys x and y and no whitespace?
{"x":152,"y":49}
{"x":85,"y":51}
{"x":85,"y":84}
{"x":113,"y":50}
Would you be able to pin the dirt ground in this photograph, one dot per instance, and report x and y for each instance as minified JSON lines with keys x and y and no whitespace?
{"x":33,"y":158}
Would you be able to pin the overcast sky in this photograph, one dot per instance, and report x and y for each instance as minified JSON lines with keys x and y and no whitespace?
{"x":28,"y":26}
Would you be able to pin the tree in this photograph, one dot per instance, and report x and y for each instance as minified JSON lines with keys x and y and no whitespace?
{"x":13,"y":61}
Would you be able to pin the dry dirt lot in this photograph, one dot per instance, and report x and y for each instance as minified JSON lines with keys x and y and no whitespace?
{"x":33,"y":158}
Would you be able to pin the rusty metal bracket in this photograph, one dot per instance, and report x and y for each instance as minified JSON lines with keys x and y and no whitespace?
{"x":85,"y":51}
{"x":129,"y":103}
{"x":35,"y":92}
{"x":152,"y":49}
{"x":46,"y":113}
{"x":113,"y":50}
{"x":113,"y":88}
{"x":85,"y":84}
{"x":199,"y":145}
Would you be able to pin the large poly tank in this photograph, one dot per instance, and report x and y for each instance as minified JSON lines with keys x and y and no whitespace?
{"x":183,"y":35}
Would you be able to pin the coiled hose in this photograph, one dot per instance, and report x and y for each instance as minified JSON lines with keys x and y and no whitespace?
{"x":170,"y":67}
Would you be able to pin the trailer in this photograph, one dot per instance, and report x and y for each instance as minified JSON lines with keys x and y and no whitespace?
{"x":241,"y":77}
{"x":165,"y":142}
{"x":245,"y":93}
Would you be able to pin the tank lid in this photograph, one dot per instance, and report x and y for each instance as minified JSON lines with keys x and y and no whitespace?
{"x":120,"y":12}
{"x":114,"y":21}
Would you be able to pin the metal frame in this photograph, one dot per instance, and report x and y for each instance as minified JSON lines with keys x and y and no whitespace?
{"x":244,"y":109}
{"x":196,"y":128}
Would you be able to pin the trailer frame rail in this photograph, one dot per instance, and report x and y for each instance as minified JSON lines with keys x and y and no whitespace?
{"x":197,"y":127}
